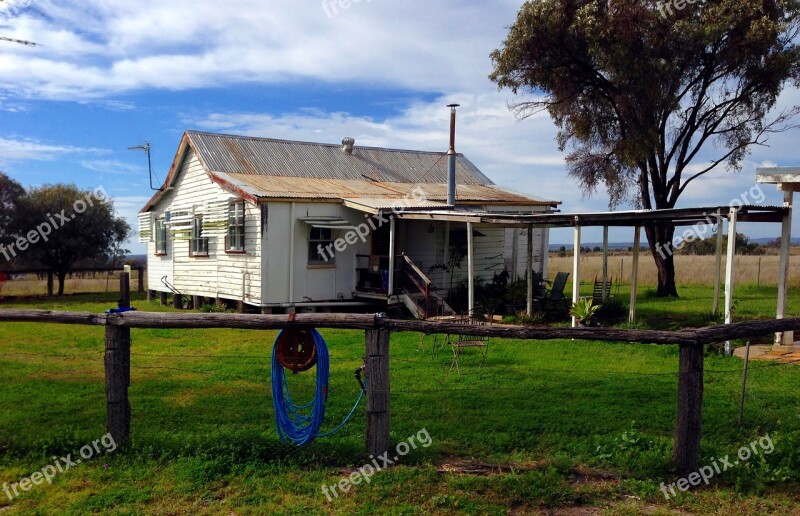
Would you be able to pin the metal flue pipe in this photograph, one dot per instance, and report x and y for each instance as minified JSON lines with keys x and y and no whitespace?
{"x":451,"y":154}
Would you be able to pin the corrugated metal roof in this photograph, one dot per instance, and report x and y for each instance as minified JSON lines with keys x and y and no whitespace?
{"x":381,"y":194}
{"x":269,"y":157}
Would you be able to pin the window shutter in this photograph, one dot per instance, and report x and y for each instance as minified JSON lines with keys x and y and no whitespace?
{"x":145,"y":227}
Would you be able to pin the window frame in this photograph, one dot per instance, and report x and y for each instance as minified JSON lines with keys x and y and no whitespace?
{"x":160,"y":250}
{"x":236,"y":222}
{"x":198,"y":244}
{"x":313,"y":244}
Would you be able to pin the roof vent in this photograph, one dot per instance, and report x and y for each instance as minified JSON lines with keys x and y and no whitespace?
{"x":348,"y":144}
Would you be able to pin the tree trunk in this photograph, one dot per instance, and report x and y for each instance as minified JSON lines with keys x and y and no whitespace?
{"x":661,"y":246}
{"x":61,"y":277}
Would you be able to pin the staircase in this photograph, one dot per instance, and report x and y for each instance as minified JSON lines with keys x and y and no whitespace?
{"x":417,"y":292}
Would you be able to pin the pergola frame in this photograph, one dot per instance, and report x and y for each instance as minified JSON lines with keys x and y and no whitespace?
{"x":788,"y":181}
{"x":636,"y":219}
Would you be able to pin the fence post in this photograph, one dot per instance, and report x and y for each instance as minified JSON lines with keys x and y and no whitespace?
{"x":118,"y":372}
{"x":377,"y":372}
{"x":141,"y":279}
{"x":49,"y":283}
{"x":686,"y":452}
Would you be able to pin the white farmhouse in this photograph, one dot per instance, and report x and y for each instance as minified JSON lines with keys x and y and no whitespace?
{"x":284,"y":226}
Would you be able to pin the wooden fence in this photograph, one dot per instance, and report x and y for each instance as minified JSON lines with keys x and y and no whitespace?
{"x":378,"y":330}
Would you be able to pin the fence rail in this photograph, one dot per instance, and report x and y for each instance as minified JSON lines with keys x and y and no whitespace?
{"x":171,"y":320}
{"x":378,"y":329}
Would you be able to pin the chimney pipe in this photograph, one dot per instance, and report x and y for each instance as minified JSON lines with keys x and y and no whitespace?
{"x":451,"y":154}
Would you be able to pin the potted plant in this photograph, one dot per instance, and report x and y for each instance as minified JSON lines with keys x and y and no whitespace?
{"x":583,"y":311}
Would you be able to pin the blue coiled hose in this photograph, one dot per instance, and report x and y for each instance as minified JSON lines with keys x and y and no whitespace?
{"x":300,"y":424}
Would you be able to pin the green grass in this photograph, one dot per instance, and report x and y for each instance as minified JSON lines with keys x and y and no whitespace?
{"x":568,"y":423}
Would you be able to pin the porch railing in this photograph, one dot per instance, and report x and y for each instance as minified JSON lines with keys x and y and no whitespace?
{"x":416,"y":282}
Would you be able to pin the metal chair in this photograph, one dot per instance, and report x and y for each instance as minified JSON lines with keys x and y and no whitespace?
{"x":554,"y":302}
{"x":478,"y":316}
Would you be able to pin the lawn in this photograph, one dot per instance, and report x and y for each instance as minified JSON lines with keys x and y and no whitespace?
{"x":543,"y":426}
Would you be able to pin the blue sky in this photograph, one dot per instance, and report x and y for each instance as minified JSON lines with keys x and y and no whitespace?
{"x":109,"y":75}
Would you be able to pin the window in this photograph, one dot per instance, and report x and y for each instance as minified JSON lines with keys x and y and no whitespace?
{"x":198,"y":246}
{"x":161,"y":237}
{"x":320,"y":251}
{"x":234,"y":242}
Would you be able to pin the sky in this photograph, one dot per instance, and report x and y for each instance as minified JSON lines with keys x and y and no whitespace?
{"x":107,"y":75}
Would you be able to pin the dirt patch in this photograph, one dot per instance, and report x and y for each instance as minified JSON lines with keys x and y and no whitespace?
{"x":466,"y":466}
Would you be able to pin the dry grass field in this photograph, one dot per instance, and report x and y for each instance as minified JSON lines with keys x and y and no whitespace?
{"x":30,"y":285}
{"x":690,"y":270}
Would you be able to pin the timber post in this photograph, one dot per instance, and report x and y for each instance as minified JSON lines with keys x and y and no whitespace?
{"x":118,"y":371}
{"x":689,"y":420}
{"x":377,"y":387}
{"x":141,"y":279}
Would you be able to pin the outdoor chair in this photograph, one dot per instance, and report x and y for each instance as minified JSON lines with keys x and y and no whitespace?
{"x":478,"y":316}
{"x":597,"y":292}
{"x":554,"y":303}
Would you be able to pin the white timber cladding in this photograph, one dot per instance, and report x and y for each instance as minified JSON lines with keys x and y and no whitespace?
{"x":522,"y":250}
{"x":220,"y":274}
{"x":331,"y":281}
{"x":159,"y":266}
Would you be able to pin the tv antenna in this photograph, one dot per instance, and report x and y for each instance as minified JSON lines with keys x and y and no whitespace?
{"x":20,"y":41}
{"x":146,"y":148}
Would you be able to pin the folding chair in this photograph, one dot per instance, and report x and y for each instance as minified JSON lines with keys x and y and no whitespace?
{"x":478,"y":316}
{"x":597,"y":292}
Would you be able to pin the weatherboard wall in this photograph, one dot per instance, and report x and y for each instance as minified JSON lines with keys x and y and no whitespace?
{"x":219,"y":274}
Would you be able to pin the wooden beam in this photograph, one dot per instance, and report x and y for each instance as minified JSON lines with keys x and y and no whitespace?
{"x":783,"y":272}
{"x":292,"y":229}
{"x":378,"y":391}
{"x":637,"y":244}
{"x":686,"y":449}
{"x":117,"y":363}
{"x":529,"y":270}
{"x":605,"y":263}
{"x":470,"y":267}
{"x":729,"y":273}
{"x":392,"y":254}
{"x":718,"y":269}
{"x":576,"y":270}
{"x":190,"y":320}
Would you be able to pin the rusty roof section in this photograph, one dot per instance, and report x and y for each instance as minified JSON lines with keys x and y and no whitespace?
{"x":262,"y":168}
{"x":382,"y":193}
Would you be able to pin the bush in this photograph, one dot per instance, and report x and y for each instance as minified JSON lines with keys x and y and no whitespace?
{"x":612,"y":311}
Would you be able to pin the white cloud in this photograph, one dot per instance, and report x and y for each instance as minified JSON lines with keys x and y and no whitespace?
{"x":112,"y":167}
{"x":33,"y":150}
